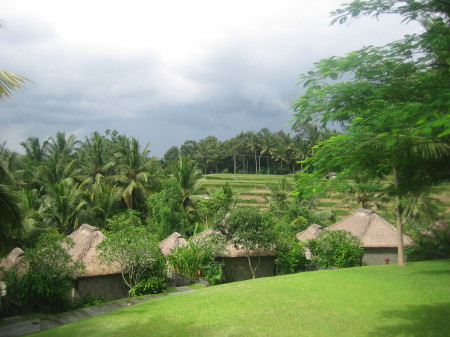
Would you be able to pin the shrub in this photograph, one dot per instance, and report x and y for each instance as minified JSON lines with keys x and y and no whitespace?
{"x":136,"y":251}
{"x":290,"y":255}
{"x":150,"y":285}
{"x":198,"y":258}
{"x":433,"y":244}
{"x":338,"y":249}
{"x":49,"y":277}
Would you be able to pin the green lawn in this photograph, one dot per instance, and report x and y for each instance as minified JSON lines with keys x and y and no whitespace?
{"x":365,"y":301}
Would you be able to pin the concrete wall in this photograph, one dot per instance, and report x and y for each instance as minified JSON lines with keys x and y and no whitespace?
{"x":110,"y":287}
{"x":237,"y":269}
{"x":374,"y":256}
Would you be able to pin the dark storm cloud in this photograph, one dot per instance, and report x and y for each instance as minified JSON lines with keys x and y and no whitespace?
{"x":244,"y":83}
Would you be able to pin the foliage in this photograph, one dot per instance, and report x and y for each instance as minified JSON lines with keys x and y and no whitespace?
{"x":296,"y":219}
{"x":336,"y":249}
{"x":135,"y":251}
{"x":248,"y":229}
{"x":167,"y":213}
{"x":290,"y":255}
{"x":149,"y":285}
{"x":430,"y":244}
{"x":197,"y":258}
{"x":392,"y":101}
{"x":90,"y":301}
{"x":120,"y":221}
{"x":46,"y":284}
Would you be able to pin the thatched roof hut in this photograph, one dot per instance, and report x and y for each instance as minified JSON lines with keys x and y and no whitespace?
{"x":371,"y":229}
{"x":14,"y":260}
{"x":86,"y":238}
{"x":172,"y":242}
{"x":378,"y":237}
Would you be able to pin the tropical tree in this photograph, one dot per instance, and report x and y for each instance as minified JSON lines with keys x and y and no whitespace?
{"x":62,"y":206}
{"x":393,"y":104}
{"x":250,"y":230}
{"x":10,"y":212}
{"x":136,"y":171}
{"x":188,"y":176}
{"x":268,"y":148}
{"x":254,"y":146}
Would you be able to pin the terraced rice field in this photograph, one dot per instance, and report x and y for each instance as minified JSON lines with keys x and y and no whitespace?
{"x":252,"y":189}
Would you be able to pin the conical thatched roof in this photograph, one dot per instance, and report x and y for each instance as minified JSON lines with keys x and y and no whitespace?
{"x":312,"y":232}
{"x":13,"y":261}
{"x":172,"y":242}
{"x":371,"y":229}
{"x":86,"y":238}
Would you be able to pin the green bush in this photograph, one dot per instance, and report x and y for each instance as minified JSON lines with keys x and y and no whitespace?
{"x":336,"y":249}
{"x":434,"y":244}
{"x":49,"y":277}
{"x":150,"y":285}
{"x":290,"y":255}
{"x":198,"y":258}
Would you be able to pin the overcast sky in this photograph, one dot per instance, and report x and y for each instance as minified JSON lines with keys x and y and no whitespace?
{"x":167,"y":71}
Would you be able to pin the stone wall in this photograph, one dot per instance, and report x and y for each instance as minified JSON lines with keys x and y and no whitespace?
{"x":110,"y":287}
{"x":375,"y":256}
{"x":237,"y":269}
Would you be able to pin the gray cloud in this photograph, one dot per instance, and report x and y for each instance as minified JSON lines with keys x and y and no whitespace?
{"x":244,"y":83}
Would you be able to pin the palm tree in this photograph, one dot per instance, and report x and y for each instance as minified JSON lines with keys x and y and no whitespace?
{"x":267,"y":146}
{"x":94,"y":159}
{"x":135,"y":171}
{"x":10,"y":82}
{"x":10,"y":213}
{"x":64,"y":146}
{"x":188,"y":175}
{"x":101,"y":200}
{"x":254,"y":146}
{"x":62,"y":206}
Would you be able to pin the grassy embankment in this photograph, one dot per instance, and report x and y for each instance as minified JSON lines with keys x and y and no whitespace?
{"x":363,"y":301}
{"x":251,"y":190}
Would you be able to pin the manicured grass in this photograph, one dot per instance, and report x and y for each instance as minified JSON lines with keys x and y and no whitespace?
{"x":365,"y":301}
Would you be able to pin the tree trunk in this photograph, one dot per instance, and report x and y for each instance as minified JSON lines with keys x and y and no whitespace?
{"x":250,"y":266}
{"x":398,"y":215}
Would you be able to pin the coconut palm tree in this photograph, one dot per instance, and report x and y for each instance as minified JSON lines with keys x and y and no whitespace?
{"x":10,"y":82}
{"x":136,"y":172}
{"x":188,"y":175}
{"x":10,"y":213}
{"x":253,"y":145}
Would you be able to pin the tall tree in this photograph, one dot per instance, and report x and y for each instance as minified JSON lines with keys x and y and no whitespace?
{"x":393,"y":104}
{"x":136,"y":171}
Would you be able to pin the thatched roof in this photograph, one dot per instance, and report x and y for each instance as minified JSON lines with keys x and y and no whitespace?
{"x":231,"y":250}
{"x":13,"y":261}
{"x":312,"y":232}
{"x":172,"y":242}
{"x":86,"y":238}
{"x":372,"y":230}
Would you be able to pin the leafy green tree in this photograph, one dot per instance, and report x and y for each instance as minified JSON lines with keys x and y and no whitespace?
{"x":188,"y":175}
{"x":62,"y":206}
{"x":393,"y":104}
{"x":250,"y":230}
{"x":135,"y":250}
{"x":167,"y":213}
{"x":290,"y":254}
{"x":136,"y":171}
{"x":278,"y":200}
{"x":10,"y":212}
